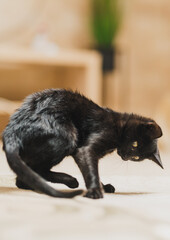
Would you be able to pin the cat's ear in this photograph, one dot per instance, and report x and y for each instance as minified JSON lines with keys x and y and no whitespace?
{"x":151,"y":129}
{"x":156,"y":158}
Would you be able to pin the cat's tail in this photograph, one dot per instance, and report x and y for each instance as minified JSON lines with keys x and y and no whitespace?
{"x":31,"y":178}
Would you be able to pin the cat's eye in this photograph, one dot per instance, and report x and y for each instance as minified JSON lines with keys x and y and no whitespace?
{"x":135,"y":144}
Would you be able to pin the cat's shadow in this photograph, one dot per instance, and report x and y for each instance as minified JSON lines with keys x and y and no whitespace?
{"x":14,"y":189}
{"x":132,"y":193}
{"x":9,"y":189}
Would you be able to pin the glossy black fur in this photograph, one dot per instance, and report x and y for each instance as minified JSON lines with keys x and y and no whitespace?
{"x":56,"y":123}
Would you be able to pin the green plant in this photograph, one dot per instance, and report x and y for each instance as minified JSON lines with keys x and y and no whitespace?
{"x":105,"y":22}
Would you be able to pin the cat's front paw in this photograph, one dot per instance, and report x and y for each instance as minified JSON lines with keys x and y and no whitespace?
{"x":94,"y":193}
{"x":108,"y":188}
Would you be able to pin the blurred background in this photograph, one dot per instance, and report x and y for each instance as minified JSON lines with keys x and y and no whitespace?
{"x":117,"y":52}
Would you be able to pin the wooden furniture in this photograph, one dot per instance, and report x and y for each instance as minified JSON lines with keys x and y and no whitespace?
{"x":6,"y":109}
{"x":23,"y":71}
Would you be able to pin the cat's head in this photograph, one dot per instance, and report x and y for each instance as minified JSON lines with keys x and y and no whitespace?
{"x":139,"y":141}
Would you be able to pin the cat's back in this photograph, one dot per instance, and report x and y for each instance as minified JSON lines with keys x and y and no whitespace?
{"x":52,"y":101}
{"x":59,"y":99}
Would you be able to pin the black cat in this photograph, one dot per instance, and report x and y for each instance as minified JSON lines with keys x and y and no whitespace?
{"x":56,"y":123}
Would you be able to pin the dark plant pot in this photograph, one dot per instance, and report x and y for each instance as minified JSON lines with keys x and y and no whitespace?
{"x":108,"y":56}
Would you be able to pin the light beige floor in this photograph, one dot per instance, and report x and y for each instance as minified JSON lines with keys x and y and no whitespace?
{"x":139,"y":210}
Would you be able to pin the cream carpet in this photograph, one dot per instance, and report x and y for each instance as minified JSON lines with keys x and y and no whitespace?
{"x":139,"y":210}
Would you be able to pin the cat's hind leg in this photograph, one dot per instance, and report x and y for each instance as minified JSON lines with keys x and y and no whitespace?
{"x":57,"y":177}
{"x":54,"y":177}
{"x":22,"y":185}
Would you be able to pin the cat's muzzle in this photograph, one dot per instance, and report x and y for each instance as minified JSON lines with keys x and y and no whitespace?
{"x":124,"y":157}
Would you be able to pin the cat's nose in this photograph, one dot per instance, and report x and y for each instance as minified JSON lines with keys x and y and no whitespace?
{"x":124,"y":158}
